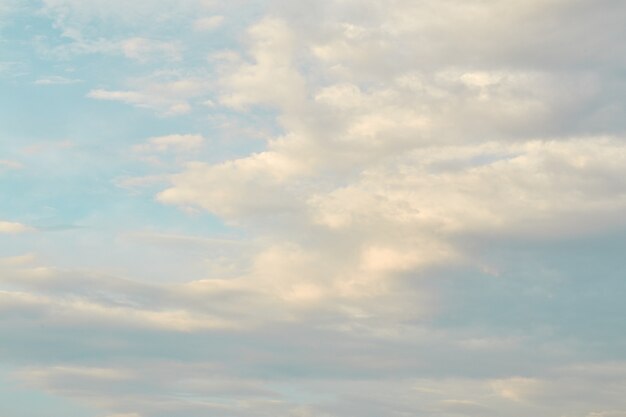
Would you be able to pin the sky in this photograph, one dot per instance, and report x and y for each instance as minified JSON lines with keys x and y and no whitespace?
{"x":315,"y":208}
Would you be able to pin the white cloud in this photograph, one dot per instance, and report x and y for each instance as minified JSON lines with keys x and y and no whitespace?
{"x":166,"y":105}
{"x":91,"y":373}
{"x":250,"y":186}
{"x":208,"y":23}
{"x":81,"y":311}
{"x":404,"y":144}
{"x":7,"y":8}
{"x":13,"y":228}
{"x":143,"y":49}
{"x":17,"y":260}
{"x":56,"y":80}
{"x":176,"y":143}
{"x":271,"y":78}
{"x":169,"y":98}
{"x":517,"y":389}
{"x":394,"y":160}
{"x":536,"y":187}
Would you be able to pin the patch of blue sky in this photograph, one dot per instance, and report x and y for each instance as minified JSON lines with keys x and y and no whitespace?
{"x":73,"y":148}
{"x":555,"y":292}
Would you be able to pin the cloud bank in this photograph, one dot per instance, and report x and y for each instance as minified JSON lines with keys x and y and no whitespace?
{"x":315,"y":209}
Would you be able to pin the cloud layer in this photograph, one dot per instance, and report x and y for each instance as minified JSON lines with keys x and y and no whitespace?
{"x":315,"y":209}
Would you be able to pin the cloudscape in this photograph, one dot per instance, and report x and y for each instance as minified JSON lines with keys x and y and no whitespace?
{"x":312,"y":208}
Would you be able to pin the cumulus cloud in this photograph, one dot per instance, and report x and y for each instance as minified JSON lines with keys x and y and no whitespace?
{"x":252,"y":185}
{"x":272,"y":49}
{"x":401,"y":166}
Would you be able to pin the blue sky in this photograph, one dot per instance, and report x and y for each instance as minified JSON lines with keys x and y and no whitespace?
{"x":327,"y":208}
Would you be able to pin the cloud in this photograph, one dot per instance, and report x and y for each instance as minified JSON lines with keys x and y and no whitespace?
{"x":56,"y":80}
{"x":7,"y":8}
{"x":432,"y":227}
{"x":272,"y":49}
{"x":335,"y":364}
{"x":176,"y":143}
{"x":125,"y":415}
{"x":387,"y":178}
{"x":90,"y":373}
{"x":7,"y":164}
{"x":68,"y":299}
{"x":13,"y":228}
{"x":252,"y":186}
{"x":517,"y":389}
{"x":139,"y":14}
{"x":537,"y":187}
{"x":143,"y":49}
{"x":208,"y":23}
{"x":169,"y":98}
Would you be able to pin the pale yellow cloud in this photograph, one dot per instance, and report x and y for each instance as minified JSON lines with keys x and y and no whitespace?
{"x":176,"y":143}
{"x":13,"y":228}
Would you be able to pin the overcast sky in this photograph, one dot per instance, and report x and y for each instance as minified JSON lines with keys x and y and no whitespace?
{"x":312,"y":208}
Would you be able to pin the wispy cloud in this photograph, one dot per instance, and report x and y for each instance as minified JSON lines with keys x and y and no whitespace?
{"x":7,"y":164}
{"x":208,"y":23}
{"x":56,"y":80}
{"x":176,"y":143}
{"x":169,"y":98}
{"x":143,"y":49}
{"x":7,"y":227}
